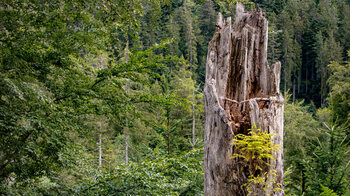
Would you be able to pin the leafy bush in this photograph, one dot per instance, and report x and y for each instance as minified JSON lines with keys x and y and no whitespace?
{"x":158,"y":175}
{"x":257,"y":150}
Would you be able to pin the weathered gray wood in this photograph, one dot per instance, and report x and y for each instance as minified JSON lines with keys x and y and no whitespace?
{"x":241,"y":90}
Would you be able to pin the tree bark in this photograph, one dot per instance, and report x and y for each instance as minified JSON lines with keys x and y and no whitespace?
{"x":241,"y":90}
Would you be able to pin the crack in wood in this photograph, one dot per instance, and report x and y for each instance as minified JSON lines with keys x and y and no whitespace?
{"x":274,"y":100}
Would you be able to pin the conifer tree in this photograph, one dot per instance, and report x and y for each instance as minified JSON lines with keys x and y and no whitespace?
{"x":188,"y":30}
{"x":339,"y":82}
{"x":274,"y":52}
{"x":328,"y":50}
{"x":206,"y":19}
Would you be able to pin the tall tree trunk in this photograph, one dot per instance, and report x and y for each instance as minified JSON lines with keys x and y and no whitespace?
{"x":100,"y":149}
{"x":168,"y":128}
{"x":126,"y":132}
{"x":193,"y":123}
{"x":293,"y":89}
{"x":299,"y":81}
{"x":241,"y":90}
{"x":322,"y":87}
{"x":126,"y":142}
{"x":285,"y":79}
{"x":306,"y":81}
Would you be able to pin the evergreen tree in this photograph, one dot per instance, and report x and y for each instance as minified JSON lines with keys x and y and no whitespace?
{"x":339,"y":82}
{"x":328,"y":50}
{"x":150,"y":23}
{"x":329,"y":165}
{"x":188,"y":30}
{"x":206,"y":19}
{"x":344,"y":30}
{"x":273,"y":47}
{"x":299,"y":131}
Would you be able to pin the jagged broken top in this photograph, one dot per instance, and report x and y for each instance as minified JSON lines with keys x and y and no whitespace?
{"x":237,"y":58}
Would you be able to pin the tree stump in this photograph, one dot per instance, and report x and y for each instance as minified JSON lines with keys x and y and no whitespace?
{"x":241,"y":90}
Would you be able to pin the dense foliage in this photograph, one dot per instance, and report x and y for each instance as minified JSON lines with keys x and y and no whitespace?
{"x":256,"y":150}
{"x":104,"y":97}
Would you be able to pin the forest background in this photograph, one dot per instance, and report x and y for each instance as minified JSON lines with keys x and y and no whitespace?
{"x":105,"y":97}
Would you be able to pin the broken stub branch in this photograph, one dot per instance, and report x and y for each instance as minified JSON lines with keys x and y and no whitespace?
{"x":241,"y":90}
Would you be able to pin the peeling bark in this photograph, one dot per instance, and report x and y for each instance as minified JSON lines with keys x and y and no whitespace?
{"x":241,"y":89}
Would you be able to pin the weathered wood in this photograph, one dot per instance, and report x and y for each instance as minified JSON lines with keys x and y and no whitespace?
{"x":241,"y":90}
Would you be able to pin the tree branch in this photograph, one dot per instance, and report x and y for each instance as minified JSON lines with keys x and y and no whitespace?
{"x":99,"y":81}
{"x":257,"y":99}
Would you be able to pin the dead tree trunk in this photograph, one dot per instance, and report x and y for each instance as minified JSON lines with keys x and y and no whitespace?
{"x":241,"y":90}
{"x":100,"y":149}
